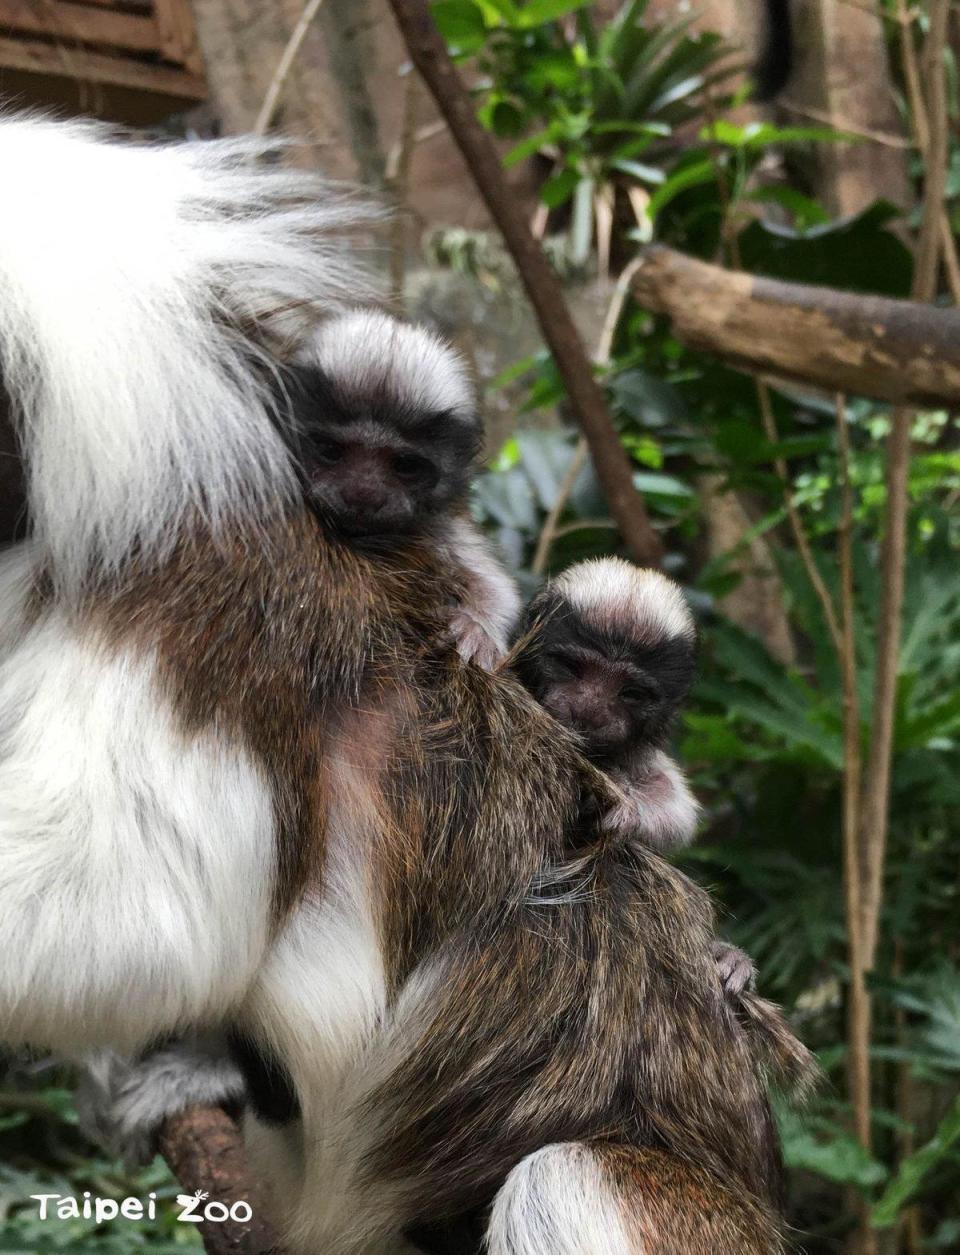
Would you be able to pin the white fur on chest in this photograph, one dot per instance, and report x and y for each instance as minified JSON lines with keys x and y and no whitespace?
{"x":321,"y":1004}
{"x":135,"y":863}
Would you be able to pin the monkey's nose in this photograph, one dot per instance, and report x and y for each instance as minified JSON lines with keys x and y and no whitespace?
{"x":368,"y":497}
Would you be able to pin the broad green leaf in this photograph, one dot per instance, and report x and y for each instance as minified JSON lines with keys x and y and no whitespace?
{"x":546,"y":457}
{"x":661,"y":485}
{"x":940,"y":719}
{"x":558,"y":190}
{"x":690,"y":176}
{"x":502,"y":8}
{"x":532,"y":144}
{"x":647,"y":400}
{"x":761,"y":134}
{"x":782,"y":722}
{"x":806,"y":211}
{"x":461,"y":23}
{"x":834,"y":1154}
{"x":916,"y":1167}
{"x":536,"y":12}
{"x":632,"y":128}
{"x":637,"y":170}
{"x":859,"y":254}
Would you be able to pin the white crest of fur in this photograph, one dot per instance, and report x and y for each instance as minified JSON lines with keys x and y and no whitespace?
{"x":124,"y":270}
{"x":365,"y":349}
{"x":638,"y":602}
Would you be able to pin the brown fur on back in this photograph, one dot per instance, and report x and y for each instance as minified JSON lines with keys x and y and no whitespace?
{"x":578,"y":996}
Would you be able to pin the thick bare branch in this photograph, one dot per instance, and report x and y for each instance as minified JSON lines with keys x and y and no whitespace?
{"x":429,"y":55}
{"x":900,"y":351}
{"x":205,"y":1151}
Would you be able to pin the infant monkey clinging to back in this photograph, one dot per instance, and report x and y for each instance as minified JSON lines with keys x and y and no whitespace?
{"x":610,"y":650}
{"x":387,"y":433}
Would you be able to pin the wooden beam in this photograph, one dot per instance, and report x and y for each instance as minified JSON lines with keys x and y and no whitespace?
{"x":899,"y":351}
{"x":178,"y":34}
{"x":95,"y":67}
{"x":80,"y":24}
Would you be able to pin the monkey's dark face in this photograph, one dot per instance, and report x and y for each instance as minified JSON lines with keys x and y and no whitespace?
{"x":616,"y":695}
{"x":373,"y":468}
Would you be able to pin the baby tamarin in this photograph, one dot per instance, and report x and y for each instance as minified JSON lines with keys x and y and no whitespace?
{"x":386,"y":431}
{"x":610,"y":650}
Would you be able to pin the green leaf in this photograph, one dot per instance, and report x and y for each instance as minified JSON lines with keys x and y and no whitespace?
{"x":558,"y":190}
{"x":545,"y":456}
{"x":460,"y":23}
{"x":503,"y":117}
{"x":536,"y":12}
{"x":689,"y":176}
{"x":806,"y":211}
{"x":529,"y":146}
{"x":786,"y":724}
{"x":632,"y":128}
{"x":858,"y":254}
{"x":661,"y":485}
{"x":637,"y":170}
{"x":834,"y":1155}
{"x":762,"y":134}
{"x":940,"y":719}
{"x":916,"y":1167}
{"x":647,"y":400}
{"x":503,"y":8}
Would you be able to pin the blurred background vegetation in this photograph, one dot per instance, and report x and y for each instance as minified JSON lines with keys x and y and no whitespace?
{"x":623,"y":123}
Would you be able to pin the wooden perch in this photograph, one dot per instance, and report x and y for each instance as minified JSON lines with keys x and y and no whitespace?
{"x":429,"y":54}
{"x":899,"y":351}
{"x":205,"y":1151}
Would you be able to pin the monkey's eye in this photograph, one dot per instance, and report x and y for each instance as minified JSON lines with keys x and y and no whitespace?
{"x":327,"y":451}
{"x":640,"y":691}
{"x":561,"y":663}
{"x":412,"y":468}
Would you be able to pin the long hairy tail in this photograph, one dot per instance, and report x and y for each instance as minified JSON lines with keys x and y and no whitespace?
{"x":135,"y":283}
{"x":788,"y":1061}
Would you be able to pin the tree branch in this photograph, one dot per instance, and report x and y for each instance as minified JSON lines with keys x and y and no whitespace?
{"x":899,"y":351}
{"x":205,"y":1151}
{"x":429,"y":55}
{"x":875,"y":807}
{"x":602,"y":357}
{"x":859,"y":1009}
{"x":284,"y":66}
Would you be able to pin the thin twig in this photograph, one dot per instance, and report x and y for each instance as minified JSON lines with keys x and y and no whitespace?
{"x":885,"y":139}
{"x":614,"y":469}
{"x":548,"y":532}
{"x":421,"y":135}
{"x":858,"y":1009}
{"x":911,"y":76}
{"x":921,"y":132}
{"x":875,"y":804}
{"x":297,"y":36}
{"x":951,"y":261}
{"x":800,"y":537}
{"x":398,"y":181}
